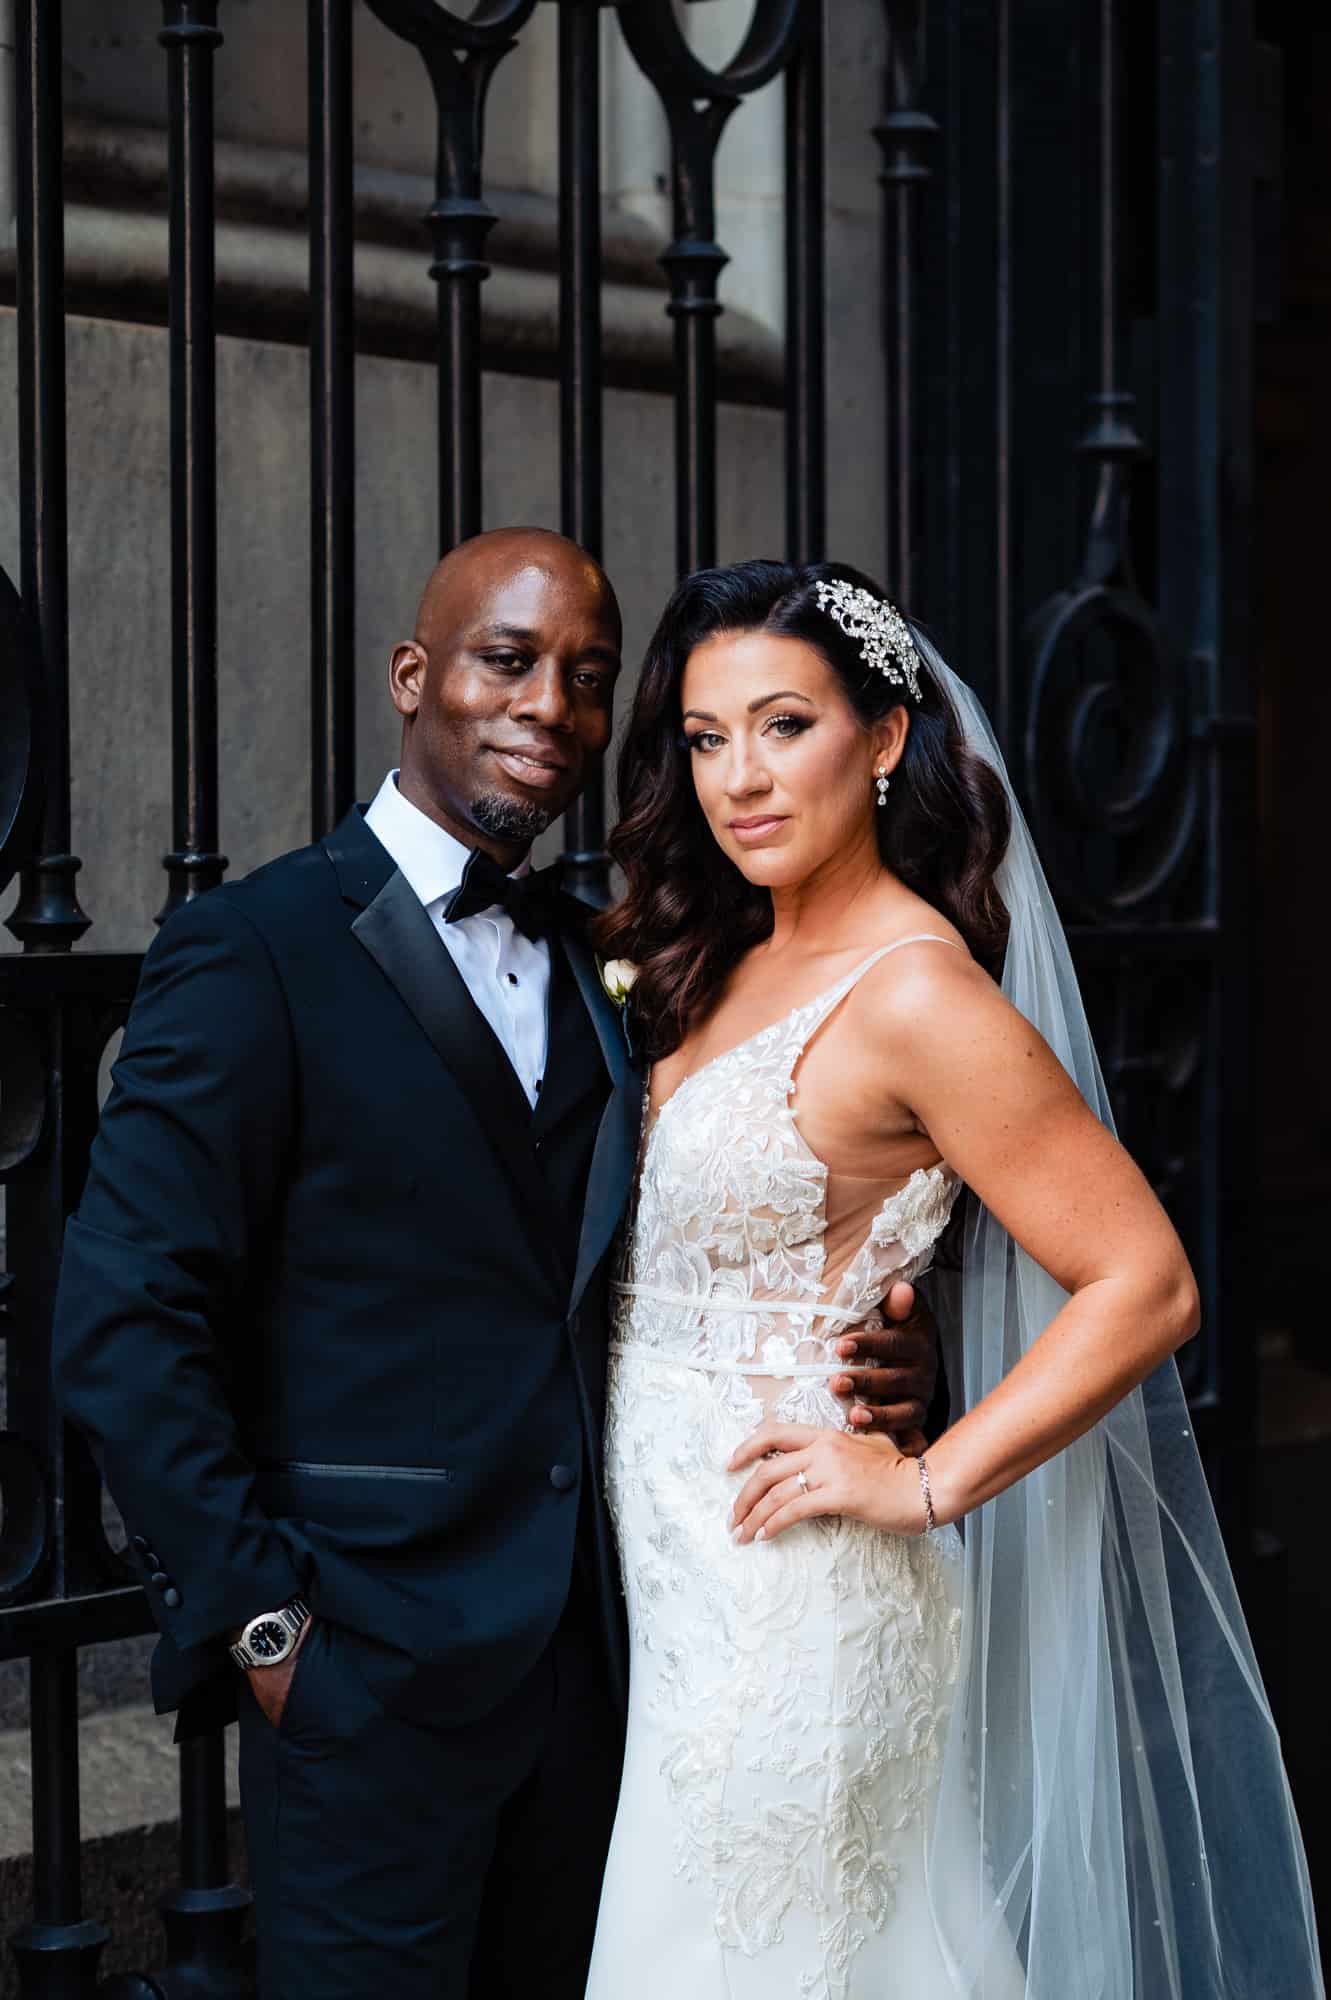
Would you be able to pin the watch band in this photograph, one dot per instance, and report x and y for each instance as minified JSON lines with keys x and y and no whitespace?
{"x":276,"y":1641}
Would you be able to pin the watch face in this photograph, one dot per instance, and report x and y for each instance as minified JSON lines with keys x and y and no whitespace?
{"x":268,"y":1639}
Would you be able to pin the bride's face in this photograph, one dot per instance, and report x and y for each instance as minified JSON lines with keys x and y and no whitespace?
{"x":783,"y":767}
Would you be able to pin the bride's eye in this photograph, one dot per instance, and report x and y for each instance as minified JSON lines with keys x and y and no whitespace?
{"x":787,"y":725}
{"x":702,"y":739}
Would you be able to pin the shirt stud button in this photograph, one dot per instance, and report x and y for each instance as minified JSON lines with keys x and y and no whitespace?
{"x":563,"y":1478}
{"x":171,"y":1598}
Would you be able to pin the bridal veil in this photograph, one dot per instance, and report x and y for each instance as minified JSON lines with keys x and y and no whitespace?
{"x":1110,"y":1734}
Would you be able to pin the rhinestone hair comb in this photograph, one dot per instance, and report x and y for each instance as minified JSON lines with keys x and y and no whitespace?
{"x":884,"y":636}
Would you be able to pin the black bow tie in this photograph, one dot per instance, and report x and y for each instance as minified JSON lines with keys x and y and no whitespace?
{"x":484,"y":886}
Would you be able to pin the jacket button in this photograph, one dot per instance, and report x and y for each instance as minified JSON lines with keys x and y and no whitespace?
{"x":562,"y":1477}
{"x":171,"y":1598}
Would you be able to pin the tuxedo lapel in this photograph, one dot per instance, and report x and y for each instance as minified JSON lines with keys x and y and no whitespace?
{"x":401,"y":938}
{"x":615,"y":1158}
{"x":574,"y":1069}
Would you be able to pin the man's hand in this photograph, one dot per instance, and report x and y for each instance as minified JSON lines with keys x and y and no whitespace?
{"x":899,"y":1344}
{"x":271,"y":1685}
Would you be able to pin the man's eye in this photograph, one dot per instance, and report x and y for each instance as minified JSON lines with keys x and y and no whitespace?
{"x":505,"y":659}
{"x":594,"y":683}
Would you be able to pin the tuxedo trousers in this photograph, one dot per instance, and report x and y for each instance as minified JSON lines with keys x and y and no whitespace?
{"x":428,"y":1861}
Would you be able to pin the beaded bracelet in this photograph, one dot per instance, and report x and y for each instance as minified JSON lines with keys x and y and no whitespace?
{"x":929,"y":1522}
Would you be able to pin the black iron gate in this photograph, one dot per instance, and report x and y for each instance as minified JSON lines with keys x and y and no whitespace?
{"x":1113,"y":655}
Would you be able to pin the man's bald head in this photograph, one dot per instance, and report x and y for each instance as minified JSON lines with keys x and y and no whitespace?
{"x":505,"y":692}
{"x":475,"y":566}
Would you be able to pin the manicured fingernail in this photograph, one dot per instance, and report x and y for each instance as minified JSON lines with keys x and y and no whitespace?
{"x":842,"y":1386}
{"x":736,"y":1534}
{"x":848,"y":1347}
{"x":761,"y":1535}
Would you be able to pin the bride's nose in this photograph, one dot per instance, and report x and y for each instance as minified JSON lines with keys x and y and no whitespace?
{"x":745,"y":775}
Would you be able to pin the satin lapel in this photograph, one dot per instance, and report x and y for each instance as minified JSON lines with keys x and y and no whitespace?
{"x":405,"y":945}
{"x":573,"y":1065}
{"x":615,"y":1158}
{"x":614,"y":1162}
{"x":605,"y":1015}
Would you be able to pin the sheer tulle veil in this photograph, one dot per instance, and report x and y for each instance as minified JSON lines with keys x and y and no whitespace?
{"x":1110,"y":1735}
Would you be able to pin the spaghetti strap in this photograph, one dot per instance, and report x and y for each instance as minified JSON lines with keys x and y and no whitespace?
{"x":825,"y":1004}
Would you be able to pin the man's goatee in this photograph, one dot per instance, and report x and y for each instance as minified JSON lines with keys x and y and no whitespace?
{"x":506,"y":818}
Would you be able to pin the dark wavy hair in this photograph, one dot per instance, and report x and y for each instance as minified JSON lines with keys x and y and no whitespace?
{"x":688,"y":915}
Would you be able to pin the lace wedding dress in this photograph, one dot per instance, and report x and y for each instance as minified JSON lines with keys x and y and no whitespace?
{"x":788,"y":1700}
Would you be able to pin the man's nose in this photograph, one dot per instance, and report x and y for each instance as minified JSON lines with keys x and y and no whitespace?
{"x":543,"y":697}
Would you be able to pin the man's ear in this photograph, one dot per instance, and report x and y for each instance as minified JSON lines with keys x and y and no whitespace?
{"x":407,"y":664}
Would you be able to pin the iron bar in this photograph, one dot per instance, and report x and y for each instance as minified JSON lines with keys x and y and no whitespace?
{"x":205,"y":1917}
{"x":58,"y":1950}
{"x":698,"y":103}
{"x":905,"y":135}
{"x":1111,"y":441}
{"x":806,"y":298}
{"x":190,"y":35}
{"x":461,"y":57}
{"x":332,"y":418}
{"x":582,"y":468}
{"x":1004,"y":717}
{"x":47,"y":916}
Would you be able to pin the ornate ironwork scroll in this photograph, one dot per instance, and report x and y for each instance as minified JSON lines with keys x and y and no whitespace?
{"x":1113,"y":778}
{"x":698,"y":103}
{"x":461,"y":57}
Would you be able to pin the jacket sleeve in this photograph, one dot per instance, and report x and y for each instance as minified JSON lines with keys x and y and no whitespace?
{"x":184,"y":1180}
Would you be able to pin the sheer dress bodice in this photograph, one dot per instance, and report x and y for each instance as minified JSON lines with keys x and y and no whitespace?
{"x":747,"y":1254}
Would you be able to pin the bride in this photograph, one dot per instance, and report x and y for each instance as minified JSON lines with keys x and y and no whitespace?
{"x":984,"y":1722}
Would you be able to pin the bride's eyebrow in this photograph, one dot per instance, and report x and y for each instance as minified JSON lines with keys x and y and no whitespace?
{"x":782,"y":694}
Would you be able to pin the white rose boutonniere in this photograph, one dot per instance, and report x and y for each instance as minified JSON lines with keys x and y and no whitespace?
{"x":617,"y":977}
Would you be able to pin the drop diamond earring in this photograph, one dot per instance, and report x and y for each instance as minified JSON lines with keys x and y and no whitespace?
{"x":882,"y":788}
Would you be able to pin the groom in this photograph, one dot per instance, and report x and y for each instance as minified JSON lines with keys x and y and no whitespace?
{"x":333,"y":1316}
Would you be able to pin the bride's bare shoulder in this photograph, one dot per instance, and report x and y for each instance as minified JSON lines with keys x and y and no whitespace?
{"x":929,"y":986}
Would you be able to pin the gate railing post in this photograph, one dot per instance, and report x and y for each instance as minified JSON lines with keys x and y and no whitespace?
{"x":461,"y":58}
{"x":190,"y":35}
{"x":47,"y":917}
{"x":906,"y":135}
{"x":699,"y":103}
{"x":58,"y":1951}
{"x":806,"y":295}
{"x":581,"y":456}
{"x":332,"y":418}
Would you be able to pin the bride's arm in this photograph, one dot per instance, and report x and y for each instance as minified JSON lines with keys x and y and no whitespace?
{"x":1003,"y":1112}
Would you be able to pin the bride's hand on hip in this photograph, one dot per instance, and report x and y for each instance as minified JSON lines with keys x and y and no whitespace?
{"x":801,"y":1471}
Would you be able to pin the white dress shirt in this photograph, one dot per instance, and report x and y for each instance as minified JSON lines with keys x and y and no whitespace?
{"x":507,"y":974}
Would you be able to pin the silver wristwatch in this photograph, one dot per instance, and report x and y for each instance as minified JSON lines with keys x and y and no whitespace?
{"x":271,"y":1637}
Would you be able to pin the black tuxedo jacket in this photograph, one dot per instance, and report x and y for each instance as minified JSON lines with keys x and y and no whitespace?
{"x":333,"y":1306}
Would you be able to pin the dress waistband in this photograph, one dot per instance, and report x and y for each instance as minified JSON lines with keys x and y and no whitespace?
{"x":785,"y":1309}
{"x":770,"y":1371}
